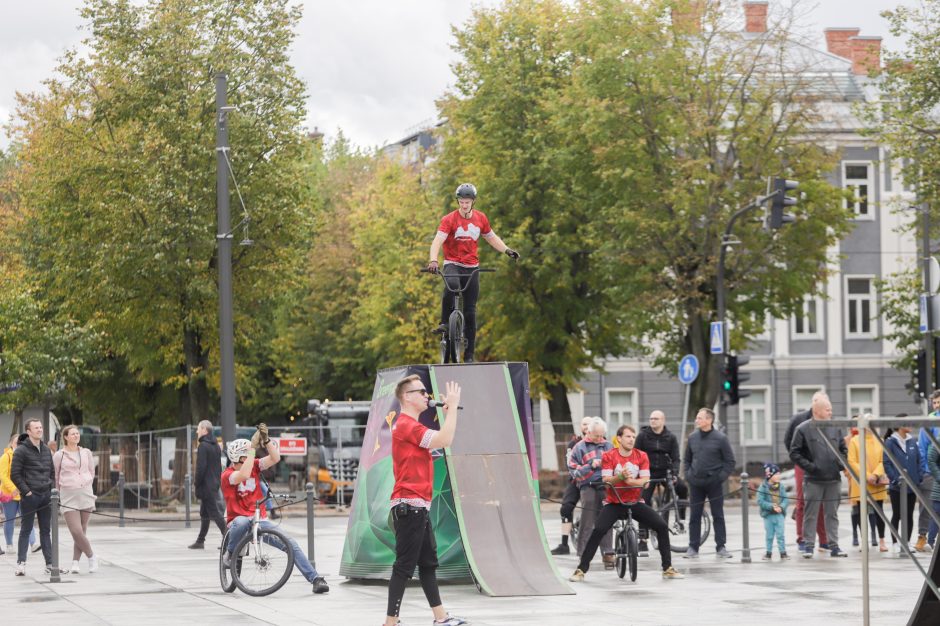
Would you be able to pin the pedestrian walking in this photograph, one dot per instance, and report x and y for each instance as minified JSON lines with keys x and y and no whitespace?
{"x":708,"y":463}
{"x":33,"y":474}
{"x":772,"y":501}
{"x":208,"y":481}
{"x":10,"y":500}
{"x":75,"y":477}
{"x":819,"y":405}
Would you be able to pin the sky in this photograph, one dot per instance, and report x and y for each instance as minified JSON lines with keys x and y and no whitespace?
{"x":373,"y":68}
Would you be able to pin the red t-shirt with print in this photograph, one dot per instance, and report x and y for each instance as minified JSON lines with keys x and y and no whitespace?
{"x":460,"y":247}
{"x":412,"y":463}
{"x":637,"y":465}
{"x":242,"y":498}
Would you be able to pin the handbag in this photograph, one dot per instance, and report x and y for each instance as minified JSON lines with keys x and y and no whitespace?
{"x":5,"y":497}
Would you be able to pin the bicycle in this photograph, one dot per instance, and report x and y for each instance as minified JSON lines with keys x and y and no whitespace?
{"x":626,"y":538}
{"x":261,"y":562}
{"x":665,"y":502}
{"x":453,"y":339}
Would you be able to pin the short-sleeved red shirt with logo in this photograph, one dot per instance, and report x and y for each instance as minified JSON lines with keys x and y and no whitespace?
{"x":242,"y":498}
{"x":462,"y":233}
{"x":412,"y":463}
{"x":637,"y":465}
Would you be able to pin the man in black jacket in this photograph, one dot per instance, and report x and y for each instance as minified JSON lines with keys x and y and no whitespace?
{"x":662,"y":448}
{"x":821,"y":406}
{"x":33,"y":473}
{"x":708,"y":462}
{"x":208,"y":471}
{"x":823,"y":480}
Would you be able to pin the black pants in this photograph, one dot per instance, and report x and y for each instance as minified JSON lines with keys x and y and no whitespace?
{"x":643,"y":514}
{"x":210,"y":510}
{"x":35,"y":507}
{"x":714,"y":493}
{"x":414,"y":545}
{"x":896,"y":512}
{"x":682,"y":492}
{"x":458,"y":277}
{"x":569,"y":501}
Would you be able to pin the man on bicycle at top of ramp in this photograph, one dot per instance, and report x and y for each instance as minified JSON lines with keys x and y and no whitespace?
{"x":458,"y":234}
{"x":241,"y":488}
{"x":626,"y":469}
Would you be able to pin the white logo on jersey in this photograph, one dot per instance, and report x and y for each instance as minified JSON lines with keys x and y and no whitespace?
{"x":248,"y":486}
{"x":632,"y":470}
{"x":472,"y":232}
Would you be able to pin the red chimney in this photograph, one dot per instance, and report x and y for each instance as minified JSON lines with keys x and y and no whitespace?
{"x":866,"y":55}
{"x":837,"y":41}
{"x":688,"y":18}
{"x":755,"y":14}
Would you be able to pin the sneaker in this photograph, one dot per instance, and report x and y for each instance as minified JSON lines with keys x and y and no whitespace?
{"x":854,"y":541}
{"x":9,"y":548}
{"x":767,"y":556}
{"x":561,"y":548}
{"x":609,"y":561}
{"x":691,"y":553}
{"x":722,"y":553}
{"x":227,"y":559}
{"x":35,"y":547}
{"x":643,"y":549}
{"x":671,"y":573}
{"x":784,"y":556}
{"x":824,"y":547}
{"x":921,"y":544}
{"x":807,"y":551}
{"x":577,"y":577}
{"x":800,"y":545}
{"x":74,"y":568}
{"x":199,"y":545}
{"x":20,"y":569}
{"x":92,"y":564}
{"x":836,"y":552}
{"x":319,"y":585}
{"x":450,"y":620}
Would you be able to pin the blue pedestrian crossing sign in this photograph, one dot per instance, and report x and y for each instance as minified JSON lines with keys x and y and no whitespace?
{"x":717,"y":335}
{"x":688,"y":369}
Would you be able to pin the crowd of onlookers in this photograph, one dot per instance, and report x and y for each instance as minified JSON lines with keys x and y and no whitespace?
{"x":822,"y":455}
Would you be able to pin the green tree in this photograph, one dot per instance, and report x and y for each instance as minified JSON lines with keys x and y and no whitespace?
{"x":117,"y":177}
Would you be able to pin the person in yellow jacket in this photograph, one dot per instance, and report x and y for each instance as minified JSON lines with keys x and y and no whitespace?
{"x":875,"y":478}
{"x":10,"y":498}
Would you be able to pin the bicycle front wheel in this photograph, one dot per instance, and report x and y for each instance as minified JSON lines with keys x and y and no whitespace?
{"x":455,"y":332}
{"x":225,"y":572}
{"x":632,"y":551}
{"x":265,"y":565}
{"x":621,"y":547}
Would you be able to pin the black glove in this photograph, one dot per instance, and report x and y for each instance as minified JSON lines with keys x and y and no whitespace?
{"x":433,"y":267}
{"x":512,"y":254}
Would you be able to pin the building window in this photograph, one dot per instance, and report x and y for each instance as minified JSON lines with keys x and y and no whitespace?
{"x":808,"y":320}
{"x":860,"y":306}
{"x":621,"y":408}
{"x":862,"y":399}
{"x":855,"y":178}
{"x":803,"y":396}
{"x":755,"y":417}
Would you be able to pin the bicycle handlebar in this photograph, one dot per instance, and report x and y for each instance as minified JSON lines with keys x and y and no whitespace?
{"x":473,"y":271}
{"x":615,"y":488}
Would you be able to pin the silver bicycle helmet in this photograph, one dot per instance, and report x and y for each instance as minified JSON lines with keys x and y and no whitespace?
{"x":236,"y":449}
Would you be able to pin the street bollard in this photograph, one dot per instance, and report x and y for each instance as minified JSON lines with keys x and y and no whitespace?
{"x":121,"y":499}
{"x":745,"y":503}
{"x":310,"y":502}
{"x":54,"y":569}
{"x":189,"y":492}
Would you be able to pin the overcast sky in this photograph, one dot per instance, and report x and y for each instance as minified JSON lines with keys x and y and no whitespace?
{"x":373,"y":68}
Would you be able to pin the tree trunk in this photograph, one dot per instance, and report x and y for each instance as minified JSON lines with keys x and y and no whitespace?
{"x":184,"y":418}
{"x":559,"y":412}
{"x":197,"y":367}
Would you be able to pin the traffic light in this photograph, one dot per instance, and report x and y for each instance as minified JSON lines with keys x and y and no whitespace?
{"x":731,"y":379}
{"x":780,"y":202}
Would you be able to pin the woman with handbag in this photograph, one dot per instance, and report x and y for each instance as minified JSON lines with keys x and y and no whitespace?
{"x":75,"y":475}
{"x":10,"y":499}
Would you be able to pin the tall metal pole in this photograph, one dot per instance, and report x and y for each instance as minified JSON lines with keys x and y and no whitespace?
{"x":224,"y":238}
{"x":863,"y":510}
{"x":928,"y":336}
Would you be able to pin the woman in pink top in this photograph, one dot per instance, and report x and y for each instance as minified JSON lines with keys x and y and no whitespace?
{"x":75,"y":475}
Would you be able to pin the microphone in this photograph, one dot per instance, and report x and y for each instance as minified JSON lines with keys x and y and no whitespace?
{"x":435,"y":403}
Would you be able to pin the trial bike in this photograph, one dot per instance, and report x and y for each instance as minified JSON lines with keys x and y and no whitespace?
{"x":626,"y":535}
{"x":453,"y":337}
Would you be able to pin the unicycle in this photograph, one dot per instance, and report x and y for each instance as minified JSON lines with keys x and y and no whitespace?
{"x":453,"y":335}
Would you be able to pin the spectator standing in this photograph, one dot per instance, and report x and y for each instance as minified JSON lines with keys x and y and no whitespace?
{"x":10,"y":497}
{"x":903,"y":446}
{"x":822,"y":477}
{"x":772,"y":501}
{"x":927,"y":484}
{"x":208,"y":481}
{"x":933,"y":466}
{"x":586,"y":470}
{"x":662,"y":448}
{"x":708,"y":463}
{"x":572,"y":493}
{"x":820,"y":405}
{"x":33,"y":474}
{"x":75,"y":478}
{"x":875,"y":478}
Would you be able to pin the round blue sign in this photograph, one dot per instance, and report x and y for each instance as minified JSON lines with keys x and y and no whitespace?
{"x":688,"y":369}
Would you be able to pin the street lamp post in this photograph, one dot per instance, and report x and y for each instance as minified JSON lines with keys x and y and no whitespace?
{"x":224,"y":239}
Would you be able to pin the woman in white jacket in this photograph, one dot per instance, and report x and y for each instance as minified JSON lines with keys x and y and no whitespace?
{"x":75,"y":475}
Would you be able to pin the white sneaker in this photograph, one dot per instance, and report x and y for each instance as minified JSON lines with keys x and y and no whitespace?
{"x":92,"y":564}
{"x":74,"y":568}
{"x":35,"y":547}
{"x":20,"y":569}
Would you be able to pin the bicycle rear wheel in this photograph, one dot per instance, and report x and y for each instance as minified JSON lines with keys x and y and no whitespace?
{"x":264,"y":566}
{"x":621,"y":547}
{"x":455,"y":333}
{"x":632,"y":551}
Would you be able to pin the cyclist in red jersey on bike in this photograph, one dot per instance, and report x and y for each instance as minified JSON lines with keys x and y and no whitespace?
{"x":458,"y":235}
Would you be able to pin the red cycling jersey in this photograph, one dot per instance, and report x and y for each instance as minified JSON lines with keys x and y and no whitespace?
{"x":460,"y":246}
{"x":636,"y":464}
{"x":412,"y":463}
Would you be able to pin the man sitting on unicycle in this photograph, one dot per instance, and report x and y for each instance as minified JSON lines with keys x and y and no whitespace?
{"x":458,"y":235}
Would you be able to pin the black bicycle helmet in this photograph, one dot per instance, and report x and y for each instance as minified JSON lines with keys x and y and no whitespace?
{"x":466,"y":190}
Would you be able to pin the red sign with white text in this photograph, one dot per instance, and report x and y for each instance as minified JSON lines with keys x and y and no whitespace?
{"x":292,"y":446}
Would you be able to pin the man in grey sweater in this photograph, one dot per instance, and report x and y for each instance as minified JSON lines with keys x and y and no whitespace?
{"x":823,"y":477}
{"x":708,"y":462}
